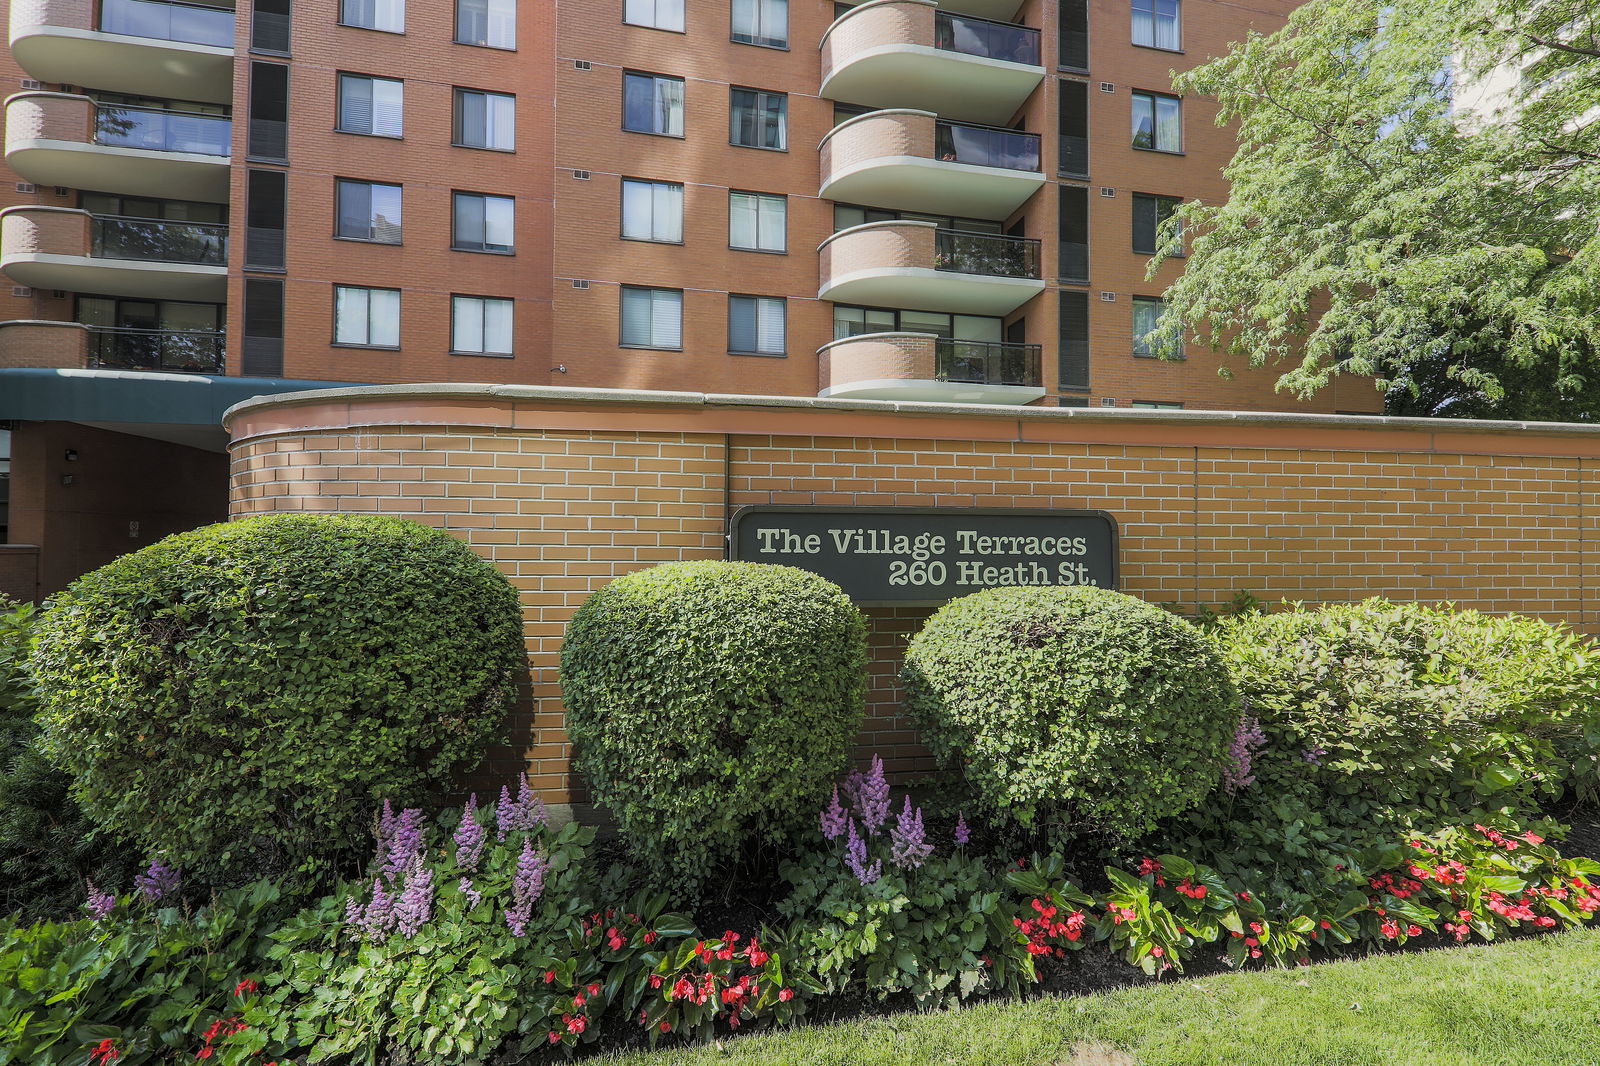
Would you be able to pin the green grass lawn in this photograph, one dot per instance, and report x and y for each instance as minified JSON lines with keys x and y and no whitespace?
{"x":1532,"y":1001}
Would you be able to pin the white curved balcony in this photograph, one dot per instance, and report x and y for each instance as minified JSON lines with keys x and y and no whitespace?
{"x":149,"y":47}
{"x":67,"y":248}
{"x":909,"y":53}
{"x":927,"y":368}
{"x":909,"y":160}
{"x":917,"y":265}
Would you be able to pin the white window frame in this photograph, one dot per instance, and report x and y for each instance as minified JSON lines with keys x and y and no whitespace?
{"x":387,"y":16}
{"x":385,"y":117}
{"x":762,"y":23}
{"x":769,"y":212}
{"x":656,"y":213}
{"x":663,"y":330}
{"x":499,"y":24}
{"x":463,"y":309}
{"x":766,"y":310}
{"x":358,"y":331}
{"x":654,"y":14}
{"x":1153,"y":19}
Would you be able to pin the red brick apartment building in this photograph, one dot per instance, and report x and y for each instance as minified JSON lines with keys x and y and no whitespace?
{"x":894,"y":200}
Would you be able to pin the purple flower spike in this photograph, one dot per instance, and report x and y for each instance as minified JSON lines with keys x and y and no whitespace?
{"x":405,"y":842}
{"x":377,"y":918}
{"x":1314,"y":755}
{"x":873,"y":802}
{"x":100,"y":903}
{"x":1247,"y":740}
{"x":909,"y":848}
{"x":833,"y":817}
{"x":415,"y":906}
{"x":963,"y":834}
{"x":467,"y":889}
{"x":852,"y":788}
{"x":526,"y":888}
{"x":855,"y":856}
{"x":470,"y":836}
{"x":505,"y":814}
{"x":387,"y":820}
{"x":157,"y":882}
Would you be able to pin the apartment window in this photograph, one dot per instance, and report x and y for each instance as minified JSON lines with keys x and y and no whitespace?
{"x":759,"y":119}
{"x":261,"y":353}
{"x":652,"y":103}
{"x":756,"y":325}
{"x":269,"y":26}
{"x":268,"y":136}
{"x":1157,"y":122}
{"x":366,"y":318}
{"x":1073,"y":352}
{"x":1157,"y":405}
{"x":485,"y":120}
{"x":367,"y":211}
{"x":480,"y":325}
{"x":1074,"y":251}
{"x":1074,"y":128}
{"x":1155,"y":24}
{"x":652,"y":211}
{"x":1146,"y":313}
{"x":266,"y":215}
{"x":482,"y":223}
{"x":487,"y":23}
{"x":758,"y":222}
{"x":761,"y":22}
{"x":652,"y":318}
{"x":1075,"y":34}
{"x":1149,"y":212}
{"x":372,"y":106}
{"x":656,"y":14}
{"x":386,"y":15}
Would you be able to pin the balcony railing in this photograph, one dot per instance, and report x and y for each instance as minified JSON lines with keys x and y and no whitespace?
{"x":159,"y":240}
{"x":179,"y":351}
{"x":986,"y":39}
{"x":987,"y":363}
{"x":165,"y":21}
{"x":986,"y":146}
{"x":159,"y":130}
{"x":986,"y":253}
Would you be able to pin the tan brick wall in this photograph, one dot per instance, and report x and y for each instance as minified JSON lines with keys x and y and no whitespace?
{"x":26,"y":343}
{"x":48,"y":116}
{"x":875,"y":358}
{"x":19,"y":571}
{"x":68,"y":14}
{"x":877,"y":25}
{"x":52,"y":230}
{"x":564,"y":492}
{"x":878,"y":246}
{"x":878,"y":136}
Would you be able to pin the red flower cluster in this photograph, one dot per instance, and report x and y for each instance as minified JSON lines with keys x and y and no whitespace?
{"x":1039,"y":930}
{"x":1399,"y":888}
{"x":1188,"y":888}
{"x":1121,"y":914}
{"x":222,"y":1027}
{"x":104,"y":1052}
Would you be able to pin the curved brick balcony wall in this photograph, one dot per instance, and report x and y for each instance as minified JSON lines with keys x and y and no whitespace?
{"x":49,"y":230}
{"x":33,"y":116}
{"x":877,"y":24}
{"x":43,"y":344}
{"x":877,"y":356}
{"x":28,"y":16}
{"x":878,"y":246}
{"x":566,"y":489}
{"x":877,"y":135}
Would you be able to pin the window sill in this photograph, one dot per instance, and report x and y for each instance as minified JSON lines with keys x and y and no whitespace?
{"x":762,"y":355}
{"x":484,"y":251}
{"x":1071,"y":176}
{"x":1073,"y":281}
{"x":658,"y":29}
{"x":1179,"y":358}
{"x":762,"y":44}
{"x":365,"y":347}
{"x":370,"y":29}
{"x":1073,"y":70}
{"x":1157,"y":48}
{"x":757,"y":147}
{"x":486,"y":44}
{"x":485,"y":355}
{"x":1159,"y":151}
{"x":379,"y":136}
{"x":368,"y":240}
{"x":650,"y":240}
{"x":483,"y":148}
{"x":760,"y":251}
{"x":653,"y":133}
{"x":650,"y":348}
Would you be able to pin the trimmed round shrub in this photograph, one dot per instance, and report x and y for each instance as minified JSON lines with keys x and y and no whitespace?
{"x":1377,"y":711}
{"x":712,"y":703}
{"x":1073,"y":703}
{"x":240,"y":697}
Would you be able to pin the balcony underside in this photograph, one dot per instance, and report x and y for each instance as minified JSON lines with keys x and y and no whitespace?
{"x":923,"y":289}
{"x":952,"y":84}
{"x":118,"y":277}
{"x":141,"y":65}
{"x":910,"y":183}
{"x":133,"y":171}
{"x":929,"y":391}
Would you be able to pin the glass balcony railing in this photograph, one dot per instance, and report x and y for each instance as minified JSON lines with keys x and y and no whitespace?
{"x":158,"y":130}
{"x":986,"y":146}
{"x":159,"y":240}
{"x":179,"y":351}
{"x":986,"y":253}
{"x":165,"y":21}
{"x":987,"y":363}
{"x":989,"y":40}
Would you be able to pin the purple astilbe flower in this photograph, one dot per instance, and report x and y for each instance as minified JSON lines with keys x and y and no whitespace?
{"x":526,"y":888}
{"x":1247,"y":740}
{"x":530,"y":812}
{"x":855,"y":857}
{"x":467,"y":889}
{"x":405,"y":842}
{"x":1314,"y":755}
{"x":833,"y":817}
{"x":962,"y":834}
{"x":157,"y":882}
{"x":377,"y":918}
{"x":470,"y":836}
{"x":505,"y":814}
{"x":100,"y":903}
{"x":873,"y":802}
{"x":908,"y":840}
{"x":852,"y":788}
{"x":387,"y":820}
{"x":415,"y":905}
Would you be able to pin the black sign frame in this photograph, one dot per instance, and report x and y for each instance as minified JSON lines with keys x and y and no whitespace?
{"x":731,"y":538}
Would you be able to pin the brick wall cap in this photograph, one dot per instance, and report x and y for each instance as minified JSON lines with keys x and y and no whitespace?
{"x":863,"y":7}
{"x":23,"y":209}
{"x":41,"y":321}
{"x":47,"y":92}
{"x":888,"y":223}
{"x":884,"y":336}
{"x":17,"y":549}
{"x":874,"y":114}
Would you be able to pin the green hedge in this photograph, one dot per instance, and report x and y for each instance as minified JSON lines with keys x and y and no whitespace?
{"x":1072,"y":702}
{"x":240,"y":697}
{"x":711,"y":703}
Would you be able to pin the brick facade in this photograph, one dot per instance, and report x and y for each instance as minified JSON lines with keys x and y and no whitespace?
{"x":565,"y":489}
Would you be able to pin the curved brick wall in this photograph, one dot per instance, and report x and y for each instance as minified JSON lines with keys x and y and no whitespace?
{"x":877,"y":358}
{"x":877,"y":246}
{"x":877,"y":136}
{"x":55,"y":230}
{"x":30,"y":15}
{"x":874,"y":25}
{"x":48,"y":116}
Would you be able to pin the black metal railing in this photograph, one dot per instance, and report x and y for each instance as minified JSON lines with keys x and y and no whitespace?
{"x":986,"y":146}
{"x":986,"y":253}
{"x":177,"y":350}
{"x":163,"y":20}
{"x":987,"y":362}
{"x":160,"y":130}
{"x":986,"y":38}
{"x":159,"y":240}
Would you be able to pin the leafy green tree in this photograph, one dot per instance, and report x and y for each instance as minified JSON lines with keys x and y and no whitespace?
{"x":1414,"y":198}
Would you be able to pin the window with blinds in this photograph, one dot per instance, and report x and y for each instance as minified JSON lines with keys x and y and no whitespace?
{"x":370,"y":106}
{"x":761,"y":22}
{"x":652,"y":318}
{"x":1073,"y":352}
{"x":268,"y":136}
{"x":367,"y":211}
{"x":652,"y":211}
{"x":266,"y":213}
{"x":1149,"y":214}
{"x":480,"y":325}
{"x":1074,"y":42}
{"x":656,"y":14}
{"x":261,"y":353}
{"x":758,"y":222}
{"x":366,"y":318}
{"x":269,"y":26}
{"x":757,"y":325}
{"x":485,"y":120}
{"x":758,"y":119}
{"x":386,"y":15}
{"x":652,"y":103}
{"x":487,"y":23}
{"x":483,"y":223}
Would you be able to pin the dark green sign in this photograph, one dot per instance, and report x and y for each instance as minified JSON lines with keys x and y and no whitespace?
{"x":900,"y":554}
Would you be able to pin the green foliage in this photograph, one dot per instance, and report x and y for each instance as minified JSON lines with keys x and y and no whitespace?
{"x":1047,"y":696}
{"x":1402,"y":207}
{"x":238,"y":697}
{"x":149,"y":980}
{"x":710,"y":703}
{"x":46,"y":847}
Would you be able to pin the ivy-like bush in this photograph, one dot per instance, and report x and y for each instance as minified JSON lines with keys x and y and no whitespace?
{"x":239,"y":698}
{"x":1072,"y":702}
{"x":711,"y":703}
